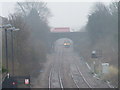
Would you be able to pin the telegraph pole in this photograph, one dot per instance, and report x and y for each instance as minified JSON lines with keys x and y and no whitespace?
{"x":12,"y":47}
{"x":6,"y":49}
{"x":12,"y":52}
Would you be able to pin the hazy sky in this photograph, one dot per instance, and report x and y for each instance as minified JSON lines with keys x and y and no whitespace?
{"x":71,"y":14}
{"x":65,"y":14}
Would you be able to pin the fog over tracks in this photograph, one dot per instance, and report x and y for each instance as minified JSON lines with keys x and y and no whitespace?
{"x":65,"y":69}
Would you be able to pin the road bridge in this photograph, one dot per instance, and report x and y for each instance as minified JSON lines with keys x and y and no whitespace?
{"x":76,"y":37}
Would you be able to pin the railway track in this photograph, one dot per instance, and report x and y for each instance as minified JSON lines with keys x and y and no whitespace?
{"x":78,"y":77}
{"x":97,"y":84}
{"x":83,"y":77}
{"x":55,"y":80}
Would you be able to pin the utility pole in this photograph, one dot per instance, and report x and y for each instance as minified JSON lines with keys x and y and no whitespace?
{"x":9,"y":27}
{"x":6,"y":49}
{"x":12,"y":52}
{"x":6,"y":28}
{"x":12,"y":47}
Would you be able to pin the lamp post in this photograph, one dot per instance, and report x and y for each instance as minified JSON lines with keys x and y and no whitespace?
{"x":6,"y":28}
{"x":12,"y":47}
{"x":6,"y":50}
{"x":9,"y":27}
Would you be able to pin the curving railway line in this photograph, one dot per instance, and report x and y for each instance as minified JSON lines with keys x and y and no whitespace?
{"x":78,"y":78}
{"x":57,"y":75}
{"x":64,"y":69}
{"x":55,"y":80}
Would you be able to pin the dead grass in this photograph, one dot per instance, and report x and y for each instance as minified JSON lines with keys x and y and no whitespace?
{"x":112,"y":76}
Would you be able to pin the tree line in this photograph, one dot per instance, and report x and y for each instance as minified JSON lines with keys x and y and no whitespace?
{"x":102,"y":34}
{"x":102,"y":30}
{"x":31,"y":41}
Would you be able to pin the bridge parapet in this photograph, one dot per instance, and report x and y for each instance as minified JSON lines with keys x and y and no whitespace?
{"x":74,"y":36}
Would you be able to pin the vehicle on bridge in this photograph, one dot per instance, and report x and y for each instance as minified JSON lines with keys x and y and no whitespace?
{"x":67,"y":44}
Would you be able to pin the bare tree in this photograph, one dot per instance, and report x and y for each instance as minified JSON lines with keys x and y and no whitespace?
{"x":41,"y":8}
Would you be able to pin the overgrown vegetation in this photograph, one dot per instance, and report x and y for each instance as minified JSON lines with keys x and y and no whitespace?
{"x":102,"y":35}
{"x":30,"y":43}
{"x":4,"y":70}
{"x":112,"y":75}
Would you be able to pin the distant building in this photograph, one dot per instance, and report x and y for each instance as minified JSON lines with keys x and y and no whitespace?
{"x":60,"y":29}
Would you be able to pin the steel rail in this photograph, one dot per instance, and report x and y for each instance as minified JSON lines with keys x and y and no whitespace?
{"x":83,"y":77}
